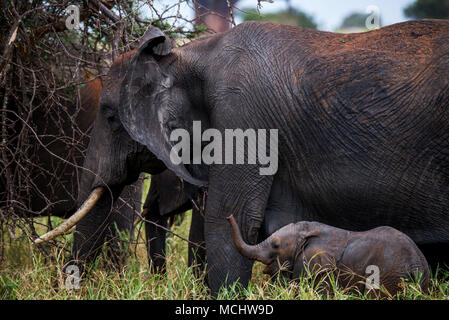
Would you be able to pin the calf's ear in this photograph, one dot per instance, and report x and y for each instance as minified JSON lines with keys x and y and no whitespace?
{"x":305,"y":236}
{"x":311,"y":233}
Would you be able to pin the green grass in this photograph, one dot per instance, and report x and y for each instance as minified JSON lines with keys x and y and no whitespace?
{"x":26,"y":274}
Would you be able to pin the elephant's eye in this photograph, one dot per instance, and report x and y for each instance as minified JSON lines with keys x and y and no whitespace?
{"x":145,"y":90}
{"x":108,"y":112}
{"x":276,"y":242}
{"x":172,"y":125}
{"x":111,"y":117}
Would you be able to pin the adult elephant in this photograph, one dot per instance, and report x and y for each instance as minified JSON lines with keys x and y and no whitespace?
{"x":362,"y":120}
{"x":57,"y":168}
{"x":114,"y":160}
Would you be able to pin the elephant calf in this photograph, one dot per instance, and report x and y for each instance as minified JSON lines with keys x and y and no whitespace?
{"x":383,"y":253}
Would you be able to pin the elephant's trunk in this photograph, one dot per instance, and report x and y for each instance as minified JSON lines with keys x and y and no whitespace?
{"x":257,"y":252}
{"x":75,"y":218}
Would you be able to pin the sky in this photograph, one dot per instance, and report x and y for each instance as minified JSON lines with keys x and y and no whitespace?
{"x":330,"y":13}
{"x":327,"y":13}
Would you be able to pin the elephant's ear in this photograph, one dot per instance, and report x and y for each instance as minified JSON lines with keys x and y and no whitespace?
{"x":144,"y":100}
{"x":305,"y":237}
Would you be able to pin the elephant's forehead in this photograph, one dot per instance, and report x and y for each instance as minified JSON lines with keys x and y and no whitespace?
{"x":114,"y":78}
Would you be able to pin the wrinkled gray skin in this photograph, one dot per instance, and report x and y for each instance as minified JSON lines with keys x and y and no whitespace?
{"x":362,"y":120}
{"x":115,"y":161}
{"x":313,"y":246}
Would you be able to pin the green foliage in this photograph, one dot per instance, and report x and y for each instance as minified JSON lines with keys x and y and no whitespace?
{"x":430,"y":9}
{"x":291,"y":17}
{"x":354,"y":20}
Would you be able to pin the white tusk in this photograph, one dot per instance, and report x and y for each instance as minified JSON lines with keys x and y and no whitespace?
{"x":74,"y":219}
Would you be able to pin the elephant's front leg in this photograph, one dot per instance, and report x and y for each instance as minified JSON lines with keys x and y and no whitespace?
{"x":239,"y":190}
{"x":155,"y":237}
{"x":197,"y":255}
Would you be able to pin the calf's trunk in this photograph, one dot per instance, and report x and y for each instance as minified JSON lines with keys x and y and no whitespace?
{"x":259,"y":252}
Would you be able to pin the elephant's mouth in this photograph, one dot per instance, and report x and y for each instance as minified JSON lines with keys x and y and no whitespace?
{"x":276,"y":266}
{"x":272,"y":268}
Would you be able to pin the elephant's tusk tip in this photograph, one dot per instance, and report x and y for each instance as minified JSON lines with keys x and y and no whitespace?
{"x":37,"y":241}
